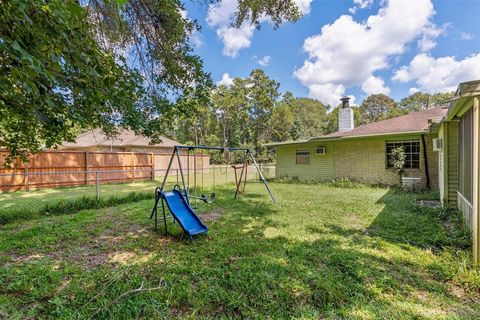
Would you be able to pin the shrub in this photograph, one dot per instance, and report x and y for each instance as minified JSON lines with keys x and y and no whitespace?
{"x":339,"y":183}
{"x":72,"y":206}
{"x":398,"y":162}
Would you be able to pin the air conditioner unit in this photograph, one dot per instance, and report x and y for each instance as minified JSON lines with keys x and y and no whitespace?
{"x":437,"y":144}
{"x":320,"y":150}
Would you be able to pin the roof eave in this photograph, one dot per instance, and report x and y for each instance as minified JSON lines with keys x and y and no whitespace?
{"x":374,"y":135}
{"x":284,"y":143}
{"x":339,"y":138}
{"x":465,"y":91}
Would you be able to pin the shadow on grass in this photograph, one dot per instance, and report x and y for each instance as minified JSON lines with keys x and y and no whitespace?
{"x":403,"y":221}
{"x":241,"y":271}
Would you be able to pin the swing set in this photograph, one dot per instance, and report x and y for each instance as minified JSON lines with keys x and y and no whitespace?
{"x":179,"y":200}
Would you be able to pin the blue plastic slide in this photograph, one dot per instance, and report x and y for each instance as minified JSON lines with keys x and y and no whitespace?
{"x":182,"y":212}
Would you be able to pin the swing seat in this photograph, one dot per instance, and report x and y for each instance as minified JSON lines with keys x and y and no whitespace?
{"x":208,"y":200}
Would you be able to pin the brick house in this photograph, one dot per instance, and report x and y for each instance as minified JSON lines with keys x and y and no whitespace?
{"x":362,"y":154}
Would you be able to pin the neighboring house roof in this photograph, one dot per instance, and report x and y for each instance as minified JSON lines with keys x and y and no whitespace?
{"x":415,"y":122}
{"x":124,"y":138}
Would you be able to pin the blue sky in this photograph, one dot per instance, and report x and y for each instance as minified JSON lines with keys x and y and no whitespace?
{"x":348,"y":47}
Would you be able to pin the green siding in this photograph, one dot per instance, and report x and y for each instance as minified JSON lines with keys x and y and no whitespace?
{"x":320,"y":167}
{"x":452,"y":163}
{"x":361,"y":159}
{"x":441,"y":163}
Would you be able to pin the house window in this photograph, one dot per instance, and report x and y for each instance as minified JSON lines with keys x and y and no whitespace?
{"x":412,"y":152}
{"x":302,"y":157}
{"x":320,"y":150}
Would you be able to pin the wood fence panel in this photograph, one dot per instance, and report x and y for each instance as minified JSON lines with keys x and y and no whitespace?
{"x":161,"y":163}
{"x":73,"y":168}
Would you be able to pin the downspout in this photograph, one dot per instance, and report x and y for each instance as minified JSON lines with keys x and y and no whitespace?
{"x":425,"y":162}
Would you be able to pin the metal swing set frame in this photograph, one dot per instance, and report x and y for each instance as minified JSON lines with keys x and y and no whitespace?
{"x":248,"y":155}
{"x":242,"y":179}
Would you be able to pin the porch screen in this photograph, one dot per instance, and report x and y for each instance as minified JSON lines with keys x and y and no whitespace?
{"x":465,"y":161}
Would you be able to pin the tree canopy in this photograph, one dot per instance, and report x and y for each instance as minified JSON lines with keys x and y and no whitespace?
{"x":70,"y":65}
{"x":419,"y":101}
{"x":378,"y":107}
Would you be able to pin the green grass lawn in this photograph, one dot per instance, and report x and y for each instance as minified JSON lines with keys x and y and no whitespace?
{"x":22,"y":205}
{"x":320,"y":252}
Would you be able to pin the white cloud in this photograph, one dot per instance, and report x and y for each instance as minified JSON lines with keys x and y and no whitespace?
{"x":363,"y":3}
{"x":413,"y":90}
{"x":327,"y":93}
{"x":352,"y":100}
{"x":429,"y":33}
{"x":221,"y":13}
{"x":226,"y":80}
{"x":346,"y":53}
{"x":439,"y":74}
{"x":196,"y":39}
{"x":220,"y":17}
{"x":375,"y":85}
{"x":304,"y":6}
{"x":466,"y":36}
{"x":360,"y":4}
{"x":265,"y":61}
{"x":235,"y":39}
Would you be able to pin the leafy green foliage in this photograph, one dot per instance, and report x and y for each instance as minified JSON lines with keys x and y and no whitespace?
{"x":239,"y":115}
{"x":420,"y":101}
{"x":70,"y":65}
{"x":55,"y":77}
{"x":254,"y":10}
{"x":331,"y":123}
{"x":154,"y":36}
{"x":378,"y":107}
{"x":251,"y":112}
{"x":398,"y":161}
{"x":337,"y":183}
{"x":308,"y":118}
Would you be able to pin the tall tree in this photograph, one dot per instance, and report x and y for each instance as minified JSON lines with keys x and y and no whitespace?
{"x":309,"y":118}
{"x":105,"y":64}
{"x":281,"y":121}
{"x":378,"y":107}
{"x":331,"y":120}
{"x":415,"y":102}
{"x":262,"y":97}
{"x":419,"y":101}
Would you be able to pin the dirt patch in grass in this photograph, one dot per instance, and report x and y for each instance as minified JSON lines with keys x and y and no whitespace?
{"x":95,"y":248}
{"x":129,"y":257}
{"x":213,"y":215}
{"x":434,"y":204}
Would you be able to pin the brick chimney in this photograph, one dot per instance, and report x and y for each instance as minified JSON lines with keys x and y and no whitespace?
{"x":345,"y":114}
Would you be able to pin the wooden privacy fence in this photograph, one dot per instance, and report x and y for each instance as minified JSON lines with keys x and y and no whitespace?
{"x":74,"y":168}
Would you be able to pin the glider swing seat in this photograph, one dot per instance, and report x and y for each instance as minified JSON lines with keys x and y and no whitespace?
{"x":178,"y":201}
{"x":238,"y":178}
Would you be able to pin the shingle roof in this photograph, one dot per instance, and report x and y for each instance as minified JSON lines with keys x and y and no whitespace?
{"x":124,"y":138}
{"x":412,"y":122}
